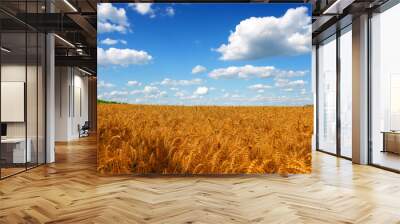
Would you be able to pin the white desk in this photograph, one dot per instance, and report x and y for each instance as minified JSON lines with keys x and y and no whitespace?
{"x":18,"y":154}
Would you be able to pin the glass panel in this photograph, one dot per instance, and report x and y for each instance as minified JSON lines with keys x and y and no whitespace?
{"x":22,"y":88}
{"x":31,"y":98}
{"x":32,"y":87}
{"x":13,"y":86}
{"x":385,"y":93}
{"x":327,"y":96}
{"x":41,"y":99}
{"x":346,"y":93}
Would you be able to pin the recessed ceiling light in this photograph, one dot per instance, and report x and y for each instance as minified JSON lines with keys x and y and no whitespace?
{"x":70,"y":5}
{"x":5,"y":50}
{"x":64,"y":40}
{"x":86,"y":72}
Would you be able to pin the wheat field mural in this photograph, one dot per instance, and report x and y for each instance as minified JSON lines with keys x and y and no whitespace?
{"x":144,"y":139}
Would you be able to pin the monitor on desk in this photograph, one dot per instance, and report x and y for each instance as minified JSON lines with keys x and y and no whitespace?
{"x":3,"y":130}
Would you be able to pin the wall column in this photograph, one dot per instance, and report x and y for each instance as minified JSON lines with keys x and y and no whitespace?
{"x":50,"y":99}
{"x":360,"y":89}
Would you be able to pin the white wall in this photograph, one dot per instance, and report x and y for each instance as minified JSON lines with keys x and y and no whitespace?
{"x":62,"y":81}
{"x":71,"y":87}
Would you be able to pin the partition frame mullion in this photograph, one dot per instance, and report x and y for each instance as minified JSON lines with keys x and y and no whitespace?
{"x":26,"y":86}
{"x":338,"y":93}
{"x":37,"y":91}
{"x":0,"y":93}
{"x":317,"y":96}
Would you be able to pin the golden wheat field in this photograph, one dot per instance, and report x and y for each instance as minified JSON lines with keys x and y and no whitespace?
{"x":145,"y":139}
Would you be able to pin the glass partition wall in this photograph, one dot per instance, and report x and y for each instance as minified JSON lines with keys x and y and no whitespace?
{"x":22,"y":78}
{"x":345,"y":61}
{"x":334,"y":104}
{"x":385,"y":89}
{"x":327,"y":95}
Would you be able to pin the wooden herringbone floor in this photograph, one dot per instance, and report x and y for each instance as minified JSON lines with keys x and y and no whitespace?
{"x":70,"y":191}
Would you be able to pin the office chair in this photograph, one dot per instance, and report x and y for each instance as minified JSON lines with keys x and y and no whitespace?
{"x":84,"y":130}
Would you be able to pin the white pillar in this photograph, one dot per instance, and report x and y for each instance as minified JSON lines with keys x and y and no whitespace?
{"x":50,"y":99}
{"x":360,"y":89}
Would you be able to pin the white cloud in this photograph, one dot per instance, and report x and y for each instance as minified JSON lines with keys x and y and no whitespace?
{"x":133,"y":83}
{"x":116,"y":93}
{"x":284,"y":83}
{"x":267,"y":100}
{"x":288,"y":90}
{"x":174,"y":89}
{"x":163,"y":94}
{"x":106,"y":27}
{"x":202,"y":90}
{"x":260,"y":37}
{"x":180,"y":94}
{"x":124,"y":57}
{"x":243,"y":72}
{"x":198,"y":69}
{"x":143,"y":8}
{"x":109,"y":41}
{"x":134,"y":92}
{"x":171,"y":82}
{"x":303,"y":91}
{"x":156,"y":95}
{"x":102,"y":84}
{"x":150,"y":90}
{"x":290,"y":73}
{"x":111,"y":19}
{"x":236,"y":96}
{"x":192,"y":97}
{"x":259,"y":87}
{"x":250,"y":71}
{"x":170,"y":11}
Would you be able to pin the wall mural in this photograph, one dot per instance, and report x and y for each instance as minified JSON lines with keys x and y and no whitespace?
{"x":204,"y":88}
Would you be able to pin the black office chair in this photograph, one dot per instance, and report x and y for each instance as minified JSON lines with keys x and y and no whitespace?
{"x":84,"y":130}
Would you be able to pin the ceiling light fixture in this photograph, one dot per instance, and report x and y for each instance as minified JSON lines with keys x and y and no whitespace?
{"x":5,"y":50}
{"x":86,"y":72}
{"x":64,"y":40}
{"x":70,"y":5}
{"x":337,"y":7}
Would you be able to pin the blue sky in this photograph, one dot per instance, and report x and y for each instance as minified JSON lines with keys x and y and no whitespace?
{"x":205,"y":54}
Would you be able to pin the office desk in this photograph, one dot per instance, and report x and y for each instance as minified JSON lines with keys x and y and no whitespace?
{"x":13,"y":150}
{"x":391,"y":141}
